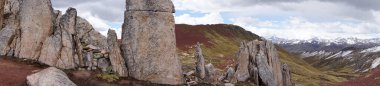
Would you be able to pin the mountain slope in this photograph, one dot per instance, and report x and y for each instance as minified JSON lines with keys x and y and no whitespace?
{"x":221,"y":42}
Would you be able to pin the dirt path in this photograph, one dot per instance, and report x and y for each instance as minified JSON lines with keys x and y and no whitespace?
{"x":13,"y":72}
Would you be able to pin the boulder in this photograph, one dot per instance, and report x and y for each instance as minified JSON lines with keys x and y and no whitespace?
{"x":36,"y":23}
{"x":104,"y":64}
{"x":49,"y":77}
{"x":211,"y":76}
{"x":200,"y":62}
{"x":230,"y":74}
{"x":117,"y":61}
{"x":149,"y":44}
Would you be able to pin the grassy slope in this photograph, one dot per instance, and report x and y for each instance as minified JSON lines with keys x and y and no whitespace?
{"x":221,"y":42}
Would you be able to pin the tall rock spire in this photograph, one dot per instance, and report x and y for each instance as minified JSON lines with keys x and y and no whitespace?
{"x":148,"y":41}
{"x":36,"y":25}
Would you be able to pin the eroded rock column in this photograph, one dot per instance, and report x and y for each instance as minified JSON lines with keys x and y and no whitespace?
{"x":200,"y":62}
{"x":148,"y":41}
{"x":117,"y":61}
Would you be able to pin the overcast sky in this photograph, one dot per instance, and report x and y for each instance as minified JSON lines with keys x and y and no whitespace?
{"x":293,"y":19}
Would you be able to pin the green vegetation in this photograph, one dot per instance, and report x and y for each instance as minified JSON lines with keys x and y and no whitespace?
{"x":224,"y":42}
{"x":108,"y":77}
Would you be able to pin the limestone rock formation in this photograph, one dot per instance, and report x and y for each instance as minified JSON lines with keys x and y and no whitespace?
{"x":259,"y":61}
{"x":117,"y":61}
{"x":148,"y":42}
{"x":49,"y":77}
{"x":200,"y":62}
{"x":35,"y":27}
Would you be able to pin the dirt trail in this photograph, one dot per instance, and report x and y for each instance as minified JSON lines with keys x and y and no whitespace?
{"x":14,"y":72}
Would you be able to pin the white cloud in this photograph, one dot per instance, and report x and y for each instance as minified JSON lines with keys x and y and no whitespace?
{"x":300,"y":28}
{"x":210,"y":18}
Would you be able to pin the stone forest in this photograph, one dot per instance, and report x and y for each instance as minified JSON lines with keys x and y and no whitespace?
{"x":32,"y":30}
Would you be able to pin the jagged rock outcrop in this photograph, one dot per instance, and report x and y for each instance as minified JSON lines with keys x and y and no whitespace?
{"x":200,"y":62}
{"x":10,"y":33}
{"x":148,"y":42}
{"x":49,"y":77}
{"x":259,"y":61}
{"x":32,"y":30}
{"x":117,"y":61}
{"x":35,"y":26}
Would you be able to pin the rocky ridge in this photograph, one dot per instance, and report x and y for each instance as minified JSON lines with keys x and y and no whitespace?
{"x":32,"y":30}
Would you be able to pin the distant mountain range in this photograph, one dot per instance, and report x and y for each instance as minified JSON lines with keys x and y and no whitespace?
{"x":341,"y":54}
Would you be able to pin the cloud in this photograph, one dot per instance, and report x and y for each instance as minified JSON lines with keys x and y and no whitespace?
{"x":296,"y":19}
{"x":300,"y":28}
{"x":211,"y":18}
{"x":100,"y":13}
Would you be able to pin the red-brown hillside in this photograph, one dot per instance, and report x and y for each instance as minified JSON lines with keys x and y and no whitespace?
{"x":372,"y":79}
{"x":189,"y":35}
{"x":219,"y":42}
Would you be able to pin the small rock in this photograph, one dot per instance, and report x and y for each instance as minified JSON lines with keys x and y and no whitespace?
{"x":103,"y":64}
{"x":228,"y":84}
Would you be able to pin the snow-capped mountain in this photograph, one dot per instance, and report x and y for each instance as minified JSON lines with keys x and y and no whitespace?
{"x":357,"y":55}
{"x":328,"y":45}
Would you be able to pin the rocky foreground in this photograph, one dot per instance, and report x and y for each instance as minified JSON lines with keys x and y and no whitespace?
{"x":33,"y":30}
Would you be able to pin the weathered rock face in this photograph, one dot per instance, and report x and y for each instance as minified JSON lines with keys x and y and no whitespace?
{"x":286,"y":75}
{"x":259,"y":61}
{"x":200,"y":62}
{"x":2,"y":2}
{"x":242,"y":62}
{"x":150,"y":5}
{"x":33,"y":31}
{"x":211,"y":76}
{"x":117,"y":61}
{"x":148,"y":42}
{"x":51,"y":48}
{"x":9,"y":34}
{"x":49,"y":77}
{"x":36,"y":25}
{"x":230,"y":74}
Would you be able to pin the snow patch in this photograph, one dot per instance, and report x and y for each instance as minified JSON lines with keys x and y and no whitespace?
{"x":375,"y":63}
{"x":373,"y":49}
{"x":345,"y":53}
